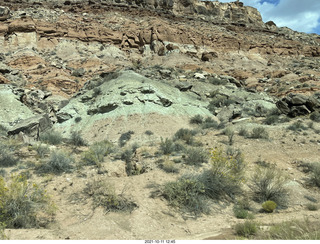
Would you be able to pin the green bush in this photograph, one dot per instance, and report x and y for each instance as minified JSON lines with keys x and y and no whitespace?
{"x":209,"y":123}
{"x":42,"y":150}
{"x":271,"y":119}
{"x":58,"y":162}
{"x":167,"y":146}
{"x":197,"y":119}
{"x":103,"y":195}
{"x":315,"y":116}
{"x":24,"y":204}
{"x":315,"y":174}
{"x":191,"y":193}
{"x":230,"y":134}
{"x":259,"y":133}
{"x":268,"y":184}
{"x":76,"y":139}
{"x":269,"y":206}
{"x":125,"y":137}
{"x":292,"y":230}
{"x":240,"y":212}
{"x":185,"y":135}
{"x":297,"y":126}
{"x":3,"y":130}
{"x":186,"y":194}
{"x":51,"y":137}
{"x":3,"y":236}
{"x":312,"y":207}
{"x":246,"y":229}
{"x":96,"y":153}
{"x":7,"y":157}
{"x":225,"y":176}
{"x":77,"y":119}
{"x":196,"y":156}
{"x":244,"y":132}
{"x":169,"y":166}
{"x":217,"y":81}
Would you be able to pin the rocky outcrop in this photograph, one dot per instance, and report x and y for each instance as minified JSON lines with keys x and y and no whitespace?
{"x":4,"y":13}
{"x":32,"y":126}
{"x":295,"y":105}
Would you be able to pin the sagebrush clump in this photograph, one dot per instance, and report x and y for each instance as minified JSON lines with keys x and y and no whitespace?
{"x":24,"y":204}
{"x":58,"y":163}
{"x":51,"y":137}
{"x":103,"y":195}
{"x":268,"y":184}
{"x":191,"y":192}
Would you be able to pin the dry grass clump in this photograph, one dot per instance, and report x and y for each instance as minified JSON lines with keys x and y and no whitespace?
{"x":103,"y":195}
{"x":268,"y":184}
{"x":24,"y":204}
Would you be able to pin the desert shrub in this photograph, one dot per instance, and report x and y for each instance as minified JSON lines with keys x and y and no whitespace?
{"x":169,"y":166}
{"x":315,"y":174}
{"x":217,"y":81}
{"x":148,"y":132}
{"x":292,"y":230}
{"x":96,"y":91}
{"x":268,"y":184}
{"x":196,"y":156}
{"x":185,"y":135}
{"x":197,"y":119}
{"x":209,"y":123}
{"x":191,"y":193}
{"x":230,"y":134}
{"x":259,"y":133}
{"x":246,"y":229}
{"x":167,"y":146}
{"x":186,"y":194}
{"x":3,"y":172}
{"x":77,"y":119}
{"x":51,"y":137}
{"x":312,"y":207}
{"x":58,"y":162}
{"x":24,"y":204}
{"x":271,"y":119}
{"x":127,"y":156}
{"x":76,"y":139}
{"x":220,"y":101}
{"x":240,"y":212}
{"x":3,"y":236}
{"x":7,"y":157}
{"x":297,"y":126}
{"x":3,"y":130}
{"x":225,"y":176}
{"x":125,"y":137}
{"x":42,"y":150}
{"x":269,"y":206}
{"x":244,"y":132}
{"x":315,"y":116}
{"x":103,"y":195}
{"x":96,"y":153}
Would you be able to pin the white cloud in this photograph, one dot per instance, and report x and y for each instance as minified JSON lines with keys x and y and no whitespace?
{"x":299,"y":15}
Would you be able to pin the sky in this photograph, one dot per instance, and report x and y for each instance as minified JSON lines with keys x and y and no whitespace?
{"x":298,"y":15}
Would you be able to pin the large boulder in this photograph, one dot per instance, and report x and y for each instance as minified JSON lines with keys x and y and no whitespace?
{"x":32,"y":126}
{"x":4,"y":13}
{"x":295,"y":105}
{"x":12,"y":110}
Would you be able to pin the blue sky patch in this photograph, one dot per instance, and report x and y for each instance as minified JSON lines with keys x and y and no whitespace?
{"x":275,"y":2}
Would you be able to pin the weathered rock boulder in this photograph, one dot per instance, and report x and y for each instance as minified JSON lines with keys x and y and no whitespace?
{"x":295,"y":105}
{"x":4,"y":13}
{"x":32,"y":126}
{"x":12,"y":110}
